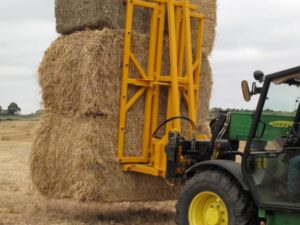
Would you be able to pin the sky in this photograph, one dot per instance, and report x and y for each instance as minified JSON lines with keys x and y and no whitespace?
{"x":27,"y":29}
{"x":251,"y":35}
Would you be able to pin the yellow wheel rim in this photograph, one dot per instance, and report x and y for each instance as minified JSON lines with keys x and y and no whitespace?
{"x":207,"y":208}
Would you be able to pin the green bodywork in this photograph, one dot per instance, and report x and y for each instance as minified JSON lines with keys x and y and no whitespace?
{"x":279,"y":218}
{"x":284,"y":218}
{"x":275,"y":126}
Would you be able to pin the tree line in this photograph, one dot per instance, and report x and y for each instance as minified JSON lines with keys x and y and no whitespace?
{"x":213,"y":112}
{"x":12,"y":109}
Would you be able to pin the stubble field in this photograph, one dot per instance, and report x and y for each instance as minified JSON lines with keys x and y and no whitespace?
{"x":20,"y":204}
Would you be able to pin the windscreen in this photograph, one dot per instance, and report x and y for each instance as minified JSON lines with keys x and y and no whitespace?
{"x":278,"y":115}
{"x":276,"y":177}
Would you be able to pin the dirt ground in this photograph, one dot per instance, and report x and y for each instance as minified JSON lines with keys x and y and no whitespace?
{"x":20,"y":204}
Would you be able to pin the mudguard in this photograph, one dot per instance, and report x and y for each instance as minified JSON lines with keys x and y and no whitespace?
{"x":229,"y":166}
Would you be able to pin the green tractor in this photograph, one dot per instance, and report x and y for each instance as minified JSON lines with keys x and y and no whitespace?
{"x":264,"y":188}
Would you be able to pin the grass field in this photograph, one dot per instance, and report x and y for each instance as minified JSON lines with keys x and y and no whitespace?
{"x":20,"y":204}
{"x":20,"y":117}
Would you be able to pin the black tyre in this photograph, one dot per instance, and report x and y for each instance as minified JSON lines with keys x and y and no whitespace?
{"x":214,"y":197}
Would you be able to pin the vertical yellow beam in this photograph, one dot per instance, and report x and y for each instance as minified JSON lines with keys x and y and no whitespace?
{"x":125,"y":71}
{"x":175,"y":105}
{"x":177,"y":22}
{"x":181,"y":43}
{"x":148,"y":99}
{"x":189,"y":61}
{"x":157,"y":72}
{"x":197,"y":71}
{"x":169,"y":125}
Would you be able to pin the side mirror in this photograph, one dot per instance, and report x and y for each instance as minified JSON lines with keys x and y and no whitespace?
{"x":255,"y":90}
{"x":246,"y":91}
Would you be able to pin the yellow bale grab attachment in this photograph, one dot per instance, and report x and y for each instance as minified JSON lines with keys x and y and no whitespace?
{"x":181,"y":83}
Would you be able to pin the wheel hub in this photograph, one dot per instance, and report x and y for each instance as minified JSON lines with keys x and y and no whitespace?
{"x":208,"y":208}
{"x":212,"y":216}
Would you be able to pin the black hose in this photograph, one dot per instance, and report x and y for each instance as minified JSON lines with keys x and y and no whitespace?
{"x":171,"y":119}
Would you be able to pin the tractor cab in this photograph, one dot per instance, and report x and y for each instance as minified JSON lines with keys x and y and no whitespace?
{"x":271,"y":161}
{"x":265,"y":187}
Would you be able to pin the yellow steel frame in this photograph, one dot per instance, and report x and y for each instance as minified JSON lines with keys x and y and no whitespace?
{"x":178,"y":13}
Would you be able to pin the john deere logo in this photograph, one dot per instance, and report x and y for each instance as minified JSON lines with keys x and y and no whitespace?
{"x":281,"y":124}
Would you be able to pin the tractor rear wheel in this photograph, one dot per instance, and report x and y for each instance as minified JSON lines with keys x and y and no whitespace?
{"x":213,"y":197}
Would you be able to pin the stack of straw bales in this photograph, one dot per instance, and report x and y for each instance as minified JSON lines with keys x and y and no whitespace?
{"x":77,"y":15}
{"x":74,"y":152}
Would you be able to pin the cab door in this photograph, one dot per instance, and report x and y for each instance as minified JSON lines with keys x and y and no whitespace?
{"x":271,"y":162}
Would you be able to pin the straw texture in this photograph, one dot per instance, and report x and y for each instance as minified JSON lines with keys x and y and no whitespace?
{"x":74,"y":152}
{"x":77,"y":15}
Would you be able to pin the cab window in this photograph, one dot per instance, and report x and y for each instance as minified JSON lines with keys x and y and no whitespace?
{"x":275,"y":164}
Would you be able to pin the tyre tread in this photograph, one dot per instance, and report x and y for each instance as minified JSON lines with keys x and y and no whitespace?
{"x":245,"y":210}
